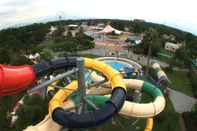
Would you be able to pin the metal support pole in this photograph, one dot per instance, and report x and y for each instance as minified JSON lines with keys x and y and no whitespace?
{"x":81,"y":83}
{"x":48,"y":82}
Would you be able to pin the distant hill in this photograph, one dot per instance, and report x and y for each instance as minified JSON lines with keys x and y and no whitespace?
{"x":137,"y":26}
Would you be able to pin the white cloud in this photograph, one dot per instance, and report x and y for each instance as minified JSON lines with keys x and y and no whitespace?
{"x":178,"y":13}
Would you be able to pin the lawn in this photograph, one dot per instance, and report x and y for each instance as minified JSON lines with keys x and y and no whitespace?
{"x":180,"y":82}
{"x":168,"y":120}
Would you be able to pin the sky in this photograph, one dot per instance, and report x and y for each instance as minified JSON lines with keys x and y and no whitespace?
{"x":181,"y":14}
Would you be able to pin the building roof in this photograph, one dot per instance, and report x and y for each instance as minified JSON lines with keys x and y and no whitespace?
{"x":109,"y":29}
{"x":52,"y":29}
{"x":174,"y":45}
{"x":73,"y":25}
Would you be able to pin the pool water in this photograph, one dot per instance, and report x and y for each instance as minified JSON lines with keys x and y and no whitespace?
{"x":121,"y":66}
{"x":118,"y":65}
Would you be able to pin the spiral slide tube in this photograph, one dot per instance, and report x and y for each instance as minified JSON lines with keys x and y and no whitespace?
{"x":132,"y":109}
{"x":137,"y":109}
{"x":90,"y":119}
{"x":143,"y":109}
{"x":100,"y":101}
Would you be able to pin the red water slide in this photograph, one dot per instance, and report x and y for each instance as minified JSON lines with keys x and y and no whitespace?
{"x":14,"y":79}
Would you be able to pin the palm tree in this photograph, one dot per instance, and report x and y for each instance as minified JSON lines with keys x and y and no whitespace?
{"x":150,"y":39}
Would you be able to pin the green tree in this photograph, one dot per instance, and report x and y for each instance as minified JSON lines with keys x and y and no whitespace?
{"x":188,"y":52}
{"x":18,"y":59}
{"x":85,"y":42}
{"x":151,"y":44}
{"x":32,"y":112}
{"x":47,"y":54}
{"x":4,"y":56}
{"x":58,"y":34}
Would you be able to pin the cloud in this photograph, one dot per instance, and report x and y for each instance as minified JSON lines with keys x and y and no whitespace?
{"x":15,"y":3}
{"x":176,"y":13}
{"x":7,"y":13}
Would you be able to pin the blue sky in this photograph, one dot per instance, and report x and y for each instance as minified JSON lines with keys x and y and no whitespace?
{"x":180,"y":14}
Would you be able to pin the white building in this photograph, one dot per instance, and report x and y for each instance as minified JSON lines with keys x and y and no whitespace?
{"x":73,"y":26}
{"x":108,"y":30}
{"x":52,"y":29}
{"x":172,"y":47}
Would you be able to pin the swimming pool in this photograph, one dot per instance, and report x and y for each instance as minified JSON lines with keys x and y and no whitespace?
{"x":130,"y":68}
{"x":118,"y":65}
{"x":121,"y":67}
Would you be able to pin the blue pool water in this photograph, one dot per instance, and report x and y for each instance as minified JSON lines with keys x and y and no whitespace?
{"x":118,"y":65}
{"x":121,"y":66}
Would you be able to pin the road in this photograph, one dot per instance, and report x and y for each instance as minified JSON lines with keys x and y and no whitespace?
{"x":181,"y":102}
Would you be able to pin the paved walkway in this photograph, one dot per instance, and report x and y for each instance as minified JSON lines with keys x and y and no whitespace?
{"x":181,"y":102}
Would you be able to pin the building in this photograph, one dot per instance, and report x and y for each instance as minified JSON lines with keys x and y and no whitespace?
{"x":194,"y":62}
{"x":100,"y":26}
{"x":52,"y":29}
{"x":50,"y":33}
{"x":110,"y":30}
{"x":172,"y":47}
{"x":169,"y":37}
{"x":139,"y":20}
{"x":72,"y":26}
{"x":84,"y":26}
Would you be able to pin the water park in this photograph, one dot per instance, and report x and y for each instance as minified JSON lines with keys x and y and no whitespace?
{"x":85,"y":93}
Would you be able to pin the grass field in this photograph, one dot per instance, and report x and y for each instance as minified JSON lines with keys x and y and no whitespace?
{"x":180,"y":82}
